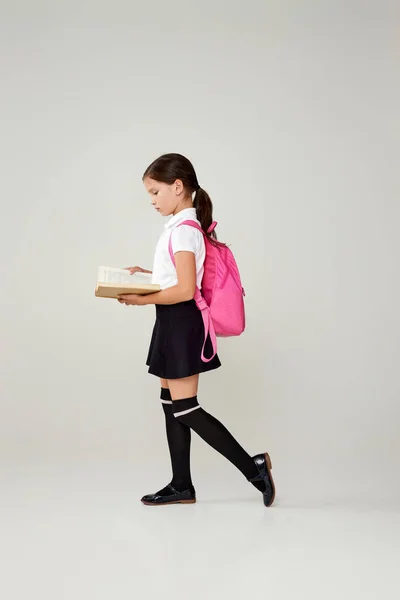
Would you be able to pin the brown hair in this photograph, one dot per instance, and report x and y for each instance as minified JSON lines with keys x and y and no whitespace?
{"x":169,"y":167}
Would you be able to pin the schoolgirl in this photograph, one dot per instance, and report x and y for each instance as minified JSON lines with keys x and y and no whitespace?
{"x":175,"y":352}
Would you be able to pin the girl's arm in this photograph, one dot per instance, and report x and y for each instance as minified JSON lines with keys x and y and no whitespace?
{"x":185,"y":263}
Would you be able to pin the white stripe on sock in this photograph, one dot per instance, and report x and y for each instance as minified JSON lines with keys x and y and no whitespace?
{"x":166,"y":401}
{"x":185,"y":412}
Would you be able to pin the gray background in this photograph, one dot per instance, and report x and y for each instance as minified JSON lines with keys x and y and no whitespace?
{"x":290,"y":116}
{"x":290,"y":113}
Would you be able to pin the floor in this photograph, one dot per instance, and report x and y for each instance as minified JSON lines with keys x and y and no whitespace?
{"x":80,"y":532}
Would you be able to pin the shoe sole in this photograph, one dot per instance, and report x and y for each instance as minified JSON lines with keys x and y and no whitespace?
{"x":269,"y":467}
{"x":167,"y":503}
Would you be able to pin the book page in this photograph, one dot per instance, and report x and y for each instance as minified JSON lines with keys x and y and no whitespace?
{"x":121,"y":276}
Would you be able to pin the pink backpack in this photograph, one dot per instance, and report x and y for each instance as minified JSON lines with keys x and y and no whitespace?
{"x":221,"y":297}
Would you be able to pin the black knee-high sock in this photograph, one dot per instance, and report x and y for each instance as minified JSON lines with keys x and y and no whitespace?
{"x":189,"y":412}
{"x":179,"y":439}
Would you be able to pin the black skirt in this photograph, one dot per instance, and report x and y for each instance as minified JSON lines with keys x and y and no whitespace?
{"x":177,"y":341}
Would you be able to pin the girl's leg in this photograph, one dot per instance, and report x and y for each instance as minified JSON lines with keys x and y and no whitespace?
{"x":188,"y":412}
{"x":180,"y":490}
{"x":183,"y":388}
{"x":179,"y":439}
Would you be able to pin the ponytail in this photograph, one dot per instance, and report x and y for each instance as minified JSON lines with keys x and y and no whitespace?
{"x":204,"y":209}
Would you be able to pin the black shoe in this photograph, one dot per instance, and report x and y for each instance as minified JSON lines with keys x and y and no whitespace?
{"x":169,"y":495}
{"x":264,"y":466}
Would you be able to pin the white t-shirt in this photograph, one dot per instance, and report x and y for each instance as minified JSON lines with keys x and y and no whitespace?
{"x":184,"y":238}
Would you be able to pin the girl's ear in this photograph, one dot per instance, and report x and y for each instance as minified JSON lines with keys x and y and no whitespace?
{"x":178,"y":187}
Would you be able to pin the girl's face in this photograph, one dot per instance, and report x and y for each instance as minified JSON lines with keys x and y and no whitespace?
{"x":165,"y":198}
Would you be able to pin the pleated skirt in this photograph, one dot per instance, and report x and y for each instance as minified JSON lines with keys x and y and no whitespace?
{"x":177,"y":341}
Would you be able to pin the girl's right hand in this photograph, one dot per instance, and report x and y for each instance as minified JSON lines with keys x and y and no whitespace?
{"x":136,"y":270}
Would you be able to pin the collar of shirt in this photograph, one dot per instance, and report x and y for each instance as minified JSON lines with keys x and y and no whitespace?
{"x":187,"y":214}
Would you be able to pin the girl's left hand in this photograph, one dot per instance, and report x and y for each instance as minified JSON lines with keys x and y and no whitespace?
{"x":132,"y":299}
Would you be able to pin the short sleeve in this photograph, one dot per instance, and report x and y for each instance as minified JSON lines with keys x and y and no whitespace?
{"x":185,"y":238}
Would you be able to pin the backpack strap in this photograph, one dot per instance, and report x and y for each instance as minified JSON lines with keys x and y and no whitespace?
{"x":200,"y":302}
{"x":208,"y":325}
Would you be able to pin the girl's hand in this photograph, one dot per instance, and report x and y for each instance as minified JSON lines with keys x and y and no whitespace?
{"x":136,"y":270}
{"x":132,"y":299}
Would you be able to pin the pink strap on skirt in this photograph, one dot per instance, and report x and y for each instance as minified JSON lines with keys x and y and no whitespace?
{"x":208,"y":325}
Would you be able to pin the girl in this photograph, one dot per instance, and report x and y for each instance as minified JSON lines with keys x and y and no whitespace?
{"x":178,"y":335}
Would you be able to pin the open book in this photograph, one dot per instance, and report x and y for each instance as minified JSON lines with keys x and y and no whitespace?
{"x":112,"y":281}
